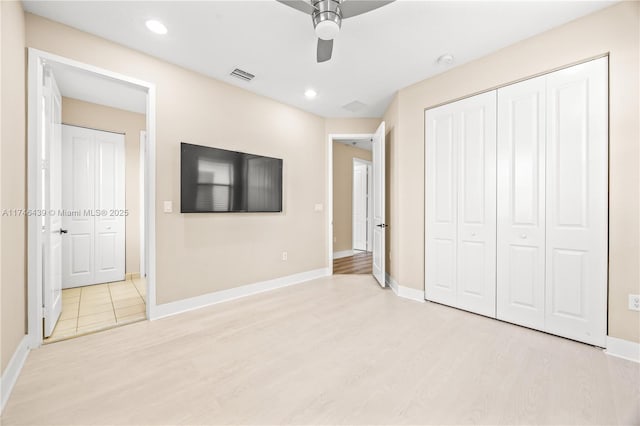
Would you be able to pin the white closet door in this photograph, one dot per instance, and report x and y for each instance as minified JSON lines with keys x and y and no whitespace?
{"x":77,"y":196}
{"x":441,"y":204}
{"x":110,"y":198}
{"x":93,"y":188}
{"x":476,"y":263}
{"x":577,"y":202}
{"x":460,"y":204}
{"x":521,"y":203}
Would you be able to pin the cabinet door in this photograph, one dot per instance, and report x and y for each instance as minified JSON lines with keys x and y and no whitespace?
{"x":476,"y":192}
{"x":440,"y":204}
{"x":521,"y":203}
{"x":577,"y":202}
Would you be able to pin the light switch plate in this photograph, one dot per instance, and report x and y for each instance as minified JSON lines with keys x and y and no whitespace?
{"x":318,"y":207}
{"x":634,"y":302}
{"x":168,"y":206}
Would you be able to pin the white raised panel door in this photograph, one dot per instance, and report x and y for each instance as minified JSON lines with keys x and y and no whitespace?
{"x":359,"y":219}
{"x":378,"y":187}
{"x":577,"y":202}
{"x":78,"y":177}
{"x":441,"y":204}
{"x":476,"y":192}
{"x":93,"y":190}
{"x":521,"y":203}
{"x":110,"y":199}
{"x":52,"y":285}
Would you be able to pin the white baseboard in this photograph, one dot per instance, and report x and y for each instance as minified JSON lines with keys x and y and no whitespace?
{"x":343,"y":253}
{"x":404,"y":292}
{"x":185,"y":305}
{"x":623,"y":349}
{"x":11,"y":373}
{"x":391,"y":283}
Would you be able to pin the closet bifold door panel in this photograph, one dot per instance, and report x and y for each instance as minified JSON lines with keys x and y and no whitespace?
{"x":521,"y":203}
{"x":577,"y":202}
{"x":461,"y":204}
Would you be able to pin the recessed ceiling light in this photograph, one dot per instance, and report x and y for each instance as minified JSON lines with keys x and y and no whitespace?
{"x":156,"y":26}
{"x":310,"y":93}
{"x":446,"y":59}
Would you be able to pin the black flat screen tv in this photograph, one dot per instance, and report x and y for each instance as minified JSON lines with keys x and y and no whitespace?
{"x":214,"y":180}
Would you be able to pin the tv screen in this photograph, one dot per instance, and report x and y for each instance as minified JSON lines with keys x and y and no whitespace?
{"x":214,"y":180}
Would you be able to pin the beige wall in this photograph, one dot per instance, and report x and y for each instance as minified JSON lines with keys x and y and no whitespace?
{"x":343,"y":156}
{"x":203,"y":253}
{"x":101,"y":117}
{"x":351,"y":125}
{"x":614,"y":30}
{"x":13,"y":179}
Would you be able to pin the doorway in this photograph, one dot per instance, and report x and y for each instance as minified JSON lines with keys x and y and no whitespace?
{"x":356,"y":222}
{"x":90,"y":257}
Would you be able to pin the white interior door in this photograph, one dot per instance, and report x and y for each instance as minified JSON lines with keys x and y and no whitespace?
{"x":577,"y":202}
{"x":379,"y":205}
{"x":93,"y":187}
{"x":460,"y":204}
{"x":441,"y":203}
{"x":52,"y":278}
{"x":359,"y":220}
{"x":476,"y":242}
{"x":369,"y":207}
{"x":521,"y":203}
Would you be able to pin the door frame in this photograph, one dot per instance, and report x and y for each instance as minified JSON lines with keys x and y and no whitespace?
{"x":36,"y":60}
{"x":369,"y":168}
{"x":329,"y":200}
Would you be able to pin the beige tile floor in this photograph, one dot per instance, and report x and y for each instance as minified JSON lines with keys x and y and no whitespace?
{"x":100,"y":307}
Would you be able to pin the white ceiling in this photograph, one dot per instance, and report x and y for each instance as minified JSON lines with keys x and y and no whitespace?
{"x":374,"y":55}
{"x":90,"y":87}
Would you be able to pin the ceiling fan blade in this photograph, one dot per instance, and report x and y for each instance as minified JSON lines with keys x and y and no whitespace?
{"x":352,"y":8}
{"x":301,"y":5}
{"x":325,"y":47}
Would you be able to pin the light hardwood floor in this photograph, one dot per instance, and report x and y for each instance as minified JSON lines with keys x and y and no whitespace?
{"x":333,"y":351}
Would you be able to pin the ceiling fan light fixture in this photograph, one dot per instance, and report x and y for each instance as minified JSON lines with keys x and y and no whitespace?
{"x":327,"y":30}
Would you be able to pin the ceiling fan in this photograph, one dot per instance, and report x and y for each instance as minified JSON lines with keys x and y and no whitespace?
{"x":327,"y":16}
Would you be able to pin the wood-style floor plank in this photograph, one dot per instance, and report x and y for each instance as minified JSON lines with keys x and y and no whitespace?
{"x":338,"y":350}
{"x":360,"y":263}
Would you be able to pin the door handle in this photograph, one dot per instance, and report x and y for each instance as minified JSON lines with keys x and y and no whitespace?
{"x":63,"y":231}
{"x":382,"y":225}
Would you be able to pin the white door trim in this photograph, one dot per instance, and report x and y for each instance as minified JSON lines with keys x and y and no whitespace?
{"x":36,"y":59}
{"x":143,"y":205}
{"x":329,"y":200}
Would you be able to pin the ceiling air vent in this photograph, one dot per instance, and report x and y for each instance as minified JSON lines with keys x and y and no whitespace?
{"x":354,"y":106}
{"x":243,"y":75}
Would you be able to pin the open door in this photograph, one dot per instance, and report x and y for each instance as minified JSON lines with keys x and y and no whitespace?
{"x":379,"y":206}
{"x":52,"y":203}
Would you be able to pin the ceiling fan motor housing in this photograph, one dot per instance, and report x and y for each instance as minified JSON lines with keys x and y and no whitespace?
{"x":327,"y":18}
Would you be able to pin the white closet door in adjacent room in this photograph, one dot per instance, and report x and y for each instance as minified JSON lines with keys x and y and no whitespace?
{"x":476,"y":239}
{"x":93,"y":189}
{"x":577,"y":202}
{"x":521,"y":203}
{"x":110,"y":198}
{"x":440,"y":204}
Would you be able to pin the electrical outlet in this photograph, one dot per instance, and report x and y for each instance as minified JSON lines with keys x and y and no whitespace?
{"x":284,"y":255}
{"x":634,"y":302}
